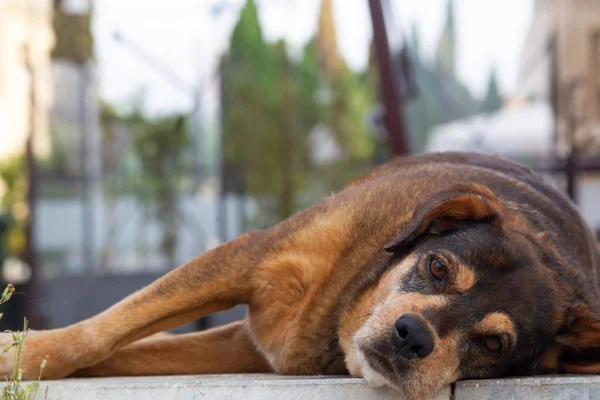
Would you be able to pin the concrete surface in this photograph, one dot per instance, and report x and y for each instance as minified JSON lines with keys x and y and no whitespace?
{"x":562,"y":387}
{"x":273,"y":387}
{"x":229,"y":387}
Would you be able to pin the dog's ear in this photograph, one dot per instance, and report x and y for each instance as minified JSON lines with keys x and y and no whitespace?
{"x":446,"y":209}
{"x":578,"y":342}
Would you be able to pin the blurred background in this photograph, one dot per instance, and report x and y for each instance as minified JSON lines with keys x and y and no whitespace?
{"x":138,"y":134}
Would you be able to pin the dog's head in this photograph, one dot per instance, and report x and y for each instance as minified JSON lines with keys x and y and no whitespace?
{"x":474,"y":292}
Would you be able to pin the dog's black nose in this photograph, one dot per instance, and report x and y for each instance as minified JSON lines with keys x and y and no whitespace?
{"x":412,"y":338}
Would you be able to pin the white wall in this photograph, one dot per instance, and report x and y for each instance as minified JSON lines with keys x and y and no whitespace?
{"x":134,"y":241}
{"x":24,"y":23}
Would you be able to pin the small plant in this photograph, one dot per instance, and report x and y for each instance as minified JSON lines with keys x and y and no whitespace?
{"x":12,"y":389}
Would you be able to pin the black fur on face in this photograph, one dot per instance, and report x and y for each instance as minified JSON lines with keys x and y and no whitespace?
{"x":508,"y":280}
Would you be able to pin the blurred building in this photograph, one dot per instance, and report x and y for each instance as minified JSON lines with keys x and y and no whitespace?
{"x":561,"y":64}
{"x":433,"y":92}
{"x":523,"y":132}
{"x":71,"y":179}
{"x":75,"y":112}
{"x":88,"y":222}
{"x":26,"y":41}
{"x":558,"y":102}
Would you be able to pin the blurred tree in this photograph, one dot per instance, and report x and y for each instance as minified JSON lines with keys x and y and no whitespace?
{"x":73,"y":33}
{"x":308,"y":88}
{"x":143,"y":158}
{"x":4,"y":234}
{"x":329,"y":56}
{"x":248,"y":48}
{"x":158,"y":145}
{"x":272,"y":107}
{"x":14,"y":181}
{"x":290,"y":121}
{"x":13,"y":220}
{"x":442,"y":97}
{"x":345,"y":98}
{"x":11,"y":310}
{"x":262,"y":126}
{"x":445,"y":54}
{"x":492,"y":100}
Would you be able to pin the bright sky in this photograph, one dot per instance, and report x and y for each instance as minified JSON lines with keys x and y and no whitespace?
{"x":184,"y":36}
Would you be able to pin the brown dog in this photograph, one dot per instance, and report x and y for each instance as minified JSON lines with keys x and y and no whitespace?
{"x":431,"y":269}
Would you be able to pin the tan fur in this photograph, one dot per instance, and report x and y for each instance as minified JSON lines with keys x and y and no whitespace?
{"x":441,"y":365}
{"x":465,"y":279}
{"x":183,"y":295}
{"x":363,"y":315}
{"x":549,"y":360}
{"x":462,"y":276}
{"x":582,"y":369}
{"x":227,"y":349}
{"x":307,"y":263}
{"x":351,"y":322}
{"x":497,"y":323}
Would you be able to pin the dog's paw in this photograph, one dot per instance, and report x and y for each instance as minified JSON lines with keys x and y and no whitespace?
{"x":38,"y":349}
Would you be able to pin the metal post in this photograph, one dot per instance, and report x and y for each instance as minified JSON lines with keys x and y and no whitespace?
{"x":196,"y":130}
{"x":570,"y":167}
{"x":393,"y":116}
{"x":30,"y":288}
{"x":87,"y":203}
{"x":570,"y":170}
{"x":222,"y":210}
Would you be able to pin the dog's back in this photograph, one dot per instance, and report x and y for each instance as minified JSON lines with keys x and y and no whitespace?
{"x":520,"y":188}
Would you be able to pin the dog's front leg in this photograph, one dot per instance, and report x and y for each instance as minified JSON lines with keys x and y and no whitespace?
{"x":215,"y":281}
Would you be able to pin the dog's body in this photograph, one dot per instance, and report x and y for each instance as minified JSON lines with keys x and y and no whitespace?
{"x":431,"y":269}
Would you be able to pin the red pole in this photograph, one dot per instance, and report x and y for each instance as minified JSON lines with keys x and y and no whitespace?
{"x":394,"y":119}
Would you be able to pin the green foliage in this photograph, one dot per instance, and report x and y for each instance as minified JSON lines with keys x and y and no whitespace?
{"x":13,"y":178}
{"x":152,"y":167}
{"x":271,"y":106}
{"x":73,"y":35}
{"x":262,"y":133}
{"x":349,"y":96}
{"x":4,"y":230}
{"x":249,"y":50}
{"x":12,"y":174}
{"x":13,"y":389}
{"x":309,"y":76}
{"x":158,"y":146}
{"x":346,"y":117}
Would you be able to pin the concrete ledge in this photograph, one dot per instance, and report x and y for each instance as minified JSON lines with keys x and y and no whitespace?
{"x":230,"y":387}
{"x":560,"y":387}
{"x":273,"y":387}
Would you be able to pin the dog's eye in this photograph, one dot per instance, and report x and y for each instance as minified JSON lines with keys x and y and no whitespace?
{"x":437,"y":269}
{"x":493,"y":344}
